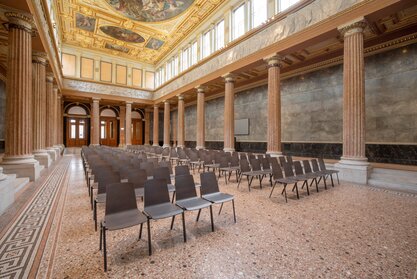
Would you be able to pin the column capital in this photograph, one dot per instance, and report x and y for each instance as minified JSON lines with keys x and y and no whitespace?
{"x":19,"y":21}
{"x":49,"y":77}
{"x":355,"y":26}
{"x":201,"y":88}
{"x":96,"y":100}
{"x":156,"y":106}
{"x":180,"y":97}
{"x":166,"y":102}
{"x":55,"y":87}
{"x":39,"y":58}
{"x":229,"y":77}
{"x":59,"y":96}
{"x":275,"y":60}
{"x":148,"y":109}
{"x":128,"y":103}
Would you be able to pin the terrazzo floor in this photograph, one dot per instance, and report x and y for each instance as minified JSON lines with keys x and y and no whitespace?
{"x":344,"y":232}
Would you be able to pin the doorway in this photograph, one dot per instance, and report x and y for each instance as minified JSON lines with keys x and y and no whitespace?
{"x":137,"y":125}
{"x":108,"y":131}
{"x":77,"y":132}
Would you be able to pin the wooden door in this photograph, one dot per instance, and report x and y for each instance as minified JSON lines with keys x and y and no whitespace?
{"x":108,"y":131}
{"x":137,"y":125}
{"x":77,"y":132}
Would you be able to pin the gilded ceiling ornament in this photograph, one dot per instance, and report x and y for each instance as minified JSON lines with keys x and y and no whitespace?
{"x":122,"y":34}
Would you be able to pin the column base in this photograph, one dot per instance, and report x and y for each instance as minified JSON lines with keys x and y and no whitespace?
{"x":59,"y":148}
{"x":52,"y":153}
{"x":181,"y":146}
{"x":274,"y":153}
{"x":94,"y":144}
{"x":200,"y":147}
{"x":147,"y":144}
{"x":155,"y":144}
{"x":228,"y":149}
{"x":166,"y":145}
{"x":354,"y":170}
{"x":43,"y":158}
{"x":6,"y":190}
{"x":22,"y":167}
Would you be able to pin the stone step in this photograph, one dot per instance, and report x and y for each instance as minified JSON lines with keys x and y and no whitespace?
{"x":19,"y":183}
{"x":396,"y":186}
{"x":397,"y":180}
{"x":403,"y":173}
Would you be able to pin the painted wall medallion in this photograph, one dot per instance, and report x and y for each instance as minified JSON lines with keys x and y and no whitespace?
{"x":116,"y":47}
{"x":84,"y":22}
{"x":150,"y":10}
{"x":154,"y":44}
{"x":122,"y":34}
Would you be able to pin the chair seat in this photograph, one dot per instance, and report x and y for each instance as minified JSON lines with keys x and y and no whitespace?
{"x":218,"y":197}
{"x":124,"y":219}
{"x":193,"y":203}
{"x":252,"y":173}
{"x":171,"y":188}
{"x":285,"y":180}
{"x":163,"y":210}
{"x":139,"y":192}
{"x":331,"y":171}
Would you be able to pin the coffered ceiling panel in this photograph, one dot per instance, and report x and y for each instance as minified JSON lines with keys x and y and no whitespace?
{"x":142,"y":30}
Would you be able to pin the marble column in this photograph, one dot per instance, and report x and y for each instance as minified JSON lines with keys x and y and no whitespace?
{"x":62,"y":123}
{"x":167,"y":131}
{"x":128,"y":128}
{"x":156,"y":125}
{"x":95,"y":125}
{"x":229,"y":113}
{"x":55,"y":121}
{"x":274,"y":106}
{"x":201,"y":117}
{"x":122,"y":126}
{"x":59,"y":122}
{"x":147,"y":126}
{"x":354,"y":165}
{"x":39,"y":109}
{"x":50,"y":114}
{"x":180,"y":131}
{"x":18,"y":157}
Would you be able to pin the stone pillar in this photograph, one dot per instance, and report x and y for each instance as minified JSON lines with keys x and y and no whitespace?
{"x":95,"y":125}
{"x":39,"y":109}
{"x":354,"y":166}
{"x":156,"y":125}
{"x":274,"y":106}
{"x":18,"y":157}
{"x":229,"y":113}
{"x":62,"y":124}
{"x":128,"y":128}
{"x":50,"y":116}
{"x":167,"y":115}
{"x":55,"y":121}
{"x":147,"y":125}
{"x":180,"y":132}
{"x":201,"y":118}
{"x":59,"y":135}
{"x":122,"y":126}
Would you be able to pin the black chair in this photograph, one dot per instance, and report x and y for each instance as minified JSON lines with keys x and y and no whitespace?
{"x":279,"y":178}
{"x":282,"y":160}
{"x":158,"y":206}
{"x":149,"y":168}
{"x":182,"y":170}
{"x":187,"y":197}
{"x":310,"y":174}
{"x":290,"y":174}
{"x":245,"y":170}
{"x":163,"y":173}
{"x":300,"y":176}
{"x":138,"y":178}
{"x":318,"y":172}
{"x":328,"y":172}
{"x":210,"y":191}
{"x":103,"y":181}
{"x":121,"y":212}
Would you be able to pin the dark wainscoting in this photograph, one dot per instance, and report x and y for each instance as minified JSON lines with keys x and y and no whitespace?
{"x":190,"y":144}
{"x":1,"y":146}
{"x":310,"y":149}
{"x":392,"y":153}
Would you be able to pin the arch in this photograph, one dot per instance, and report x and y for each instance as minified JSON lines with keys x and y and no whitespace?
{"x":68,"y":108}
{"x":136,"y":115}
{"x":108,"y":112}
{"x":77,"y":110}
{"x":140,"y":111}
{"x":115,"y":110}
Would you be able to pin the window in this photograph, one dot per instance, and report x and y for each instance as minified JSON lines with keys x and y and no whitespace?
{"x":168,"y":70}
{"x":238,"y":22}
{"x":219,"y":29}
{"x":206,"y":43}
{"x":259,"y":12}
{"x":193,"y":54}
{"x":285,"y":4}
{"x":103,"y":129}
{"x":184,"y":59}
{"x":174,"y":66}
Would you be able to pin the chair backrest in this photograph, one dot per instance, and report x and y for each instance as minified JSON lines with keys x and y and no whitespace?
{"x":124,"y":171}
{"x":265,"y":164}
{"x":154,"y":161}
{"x":307,"y":167}
{"x":120,"y":197}
{"x":184,"y":187}
{"x":156,"y":192}
{"x":193,"y":157}
{"x":106,"y":179}
{"x":322,"y":164}
{"x":209,"y":183}
{"x":315,"y":165}
{"x":162,"y":173}
{"x":182,"y":170}
{"x":102,"y":171}
{"x":244,"y":165}
{"x":298,"y":168}
{"x":255,"y":164}
{"x":288,"y":170}
{"x":138,"y":178}
{"x":289,"y":159}
{"x":166,"y":164}
{"x":174,"y":153}
{"x":276,"y":170}
{"x":224,"y":162}
{"x":166,"y":151}
{"x":234,"y":162}
{"x":148,"y":167}
{"x":282,"y":160}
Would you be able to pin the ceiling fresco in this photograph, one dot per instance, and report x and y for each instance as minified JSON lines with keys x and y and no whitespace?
{"x":141,"y":30}
{"x":150,"y":10}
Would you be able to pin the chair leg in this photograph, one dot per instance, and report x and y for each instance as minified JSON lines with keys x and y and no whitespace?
{"x":140,"y":232}
{"x":296,"y":189}
{"x":183,"y":227}
{"x":91,"y":197}
{"x":317,"y":185}
{"x":337,"y":175}
{"x":95,"y":215}
{"x":149,"y":238}
{"x":198,"y":215}
{"x":308,"y":190}
{"x":225,"y":177}
{"x":324,"y":180}
{"x":104,"y":249}
{"x":250,"y":181}
{"x":331,"y":177}
{"x":221,"y":207}
{"x":285,"y":192}
{"x":272,"y":190}
{"x":211,"y":217}
{"x":101,"y":236}
{"x":173,"y":197}
{"x":172,"y":222}
{"x":238,"y":183}
{"x":234,"y":212}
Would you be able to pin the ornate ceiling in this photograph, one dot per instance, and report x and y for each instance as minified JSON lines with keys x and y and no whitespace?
{"x":142,"y":30}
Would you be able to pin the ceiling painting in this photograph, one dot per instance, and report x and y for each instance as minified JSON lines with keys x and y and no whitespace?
{"x":154,"y":44}
{"x":150,"y":10}
{"x":122,"y":34}
{"x":141,"y":30}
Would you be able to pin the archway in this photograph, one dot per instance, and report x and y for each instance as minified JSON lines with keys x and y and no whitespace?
{"x":137,"y":128}
{"x":108,"y":127}
{"x":77,"y":125}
